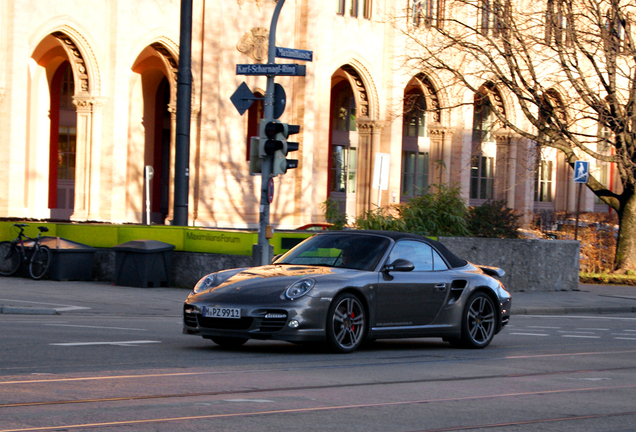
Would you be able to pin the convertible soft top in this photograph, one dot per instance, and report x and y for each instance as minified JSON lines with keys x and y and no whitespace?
{"x":453,"y":260}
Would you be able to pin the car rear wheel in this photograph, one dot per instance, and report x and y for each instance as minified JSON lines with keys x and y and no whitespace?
{"x":229,"y":342}
{"x":346,"y":323}
{"x":478,"y":323}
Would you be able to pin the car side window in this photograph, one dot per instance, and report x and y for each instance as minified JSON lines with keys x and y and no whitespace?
{"x":420,"y":254}
{"x":438,"y":262}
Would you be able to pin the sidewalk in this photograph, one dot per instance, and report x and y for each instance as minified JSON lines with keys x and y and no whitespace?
{"x":29,"y":297}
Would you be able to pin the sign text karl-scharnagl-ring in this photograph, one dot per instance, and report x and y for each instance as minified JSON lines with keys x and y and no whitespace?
{"x":271,"y":69}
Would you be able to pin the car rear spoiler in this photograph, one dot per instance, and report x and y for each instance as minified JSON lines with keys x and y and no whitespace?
{"x":493,"y":271}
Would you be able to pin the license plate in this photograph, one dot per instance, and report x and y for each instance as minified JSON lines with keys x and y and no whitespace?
{"x":217,"y":312}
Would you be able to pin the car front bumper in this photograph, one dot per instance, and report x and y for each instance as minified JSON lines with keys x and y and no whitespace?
{"x":305,"y":321}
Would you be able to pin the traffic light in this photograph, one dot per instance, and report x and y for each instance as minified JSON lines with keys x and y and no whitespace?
{"x":269,"y":138}
{"x":255,"y":158}
{"x":281,"y":163}
{"x":273,"y":143}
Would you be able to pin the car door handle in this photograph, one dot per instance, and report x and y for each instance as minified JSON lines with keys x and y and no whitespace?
{"x":440,"y":287}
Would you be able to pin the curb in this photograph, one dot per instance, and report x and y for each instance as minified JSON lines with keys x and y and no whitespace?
{"x":26,"y":311}
{"x":573,"y":310}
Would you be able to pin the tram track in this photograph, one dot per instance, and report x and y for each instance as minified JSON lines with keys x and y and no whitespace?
{"x":300,"y":388}
{"x":363,"y":406}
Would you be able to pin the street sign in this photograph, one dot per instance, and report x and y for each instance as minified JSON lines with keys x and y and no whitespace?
{"x":381,"y":171}
{"x":581,"y":171}
{"x":294,"y":54}
{"x":242,"y":98}
{"x":280,"y":99}
{"x":271,"y":69}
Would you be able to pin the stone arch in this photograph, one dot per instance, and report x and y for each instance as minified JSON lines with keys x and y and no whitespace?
{"x":79,"y":48}
{"x":360,"y":141}
{"x":63,"y":45}
{"x":151,"y":132}
{"x":431,"y":95}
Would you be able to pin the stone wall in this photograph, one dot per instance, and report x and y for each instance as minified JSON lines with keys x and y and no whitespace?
{"x":530,"y":265}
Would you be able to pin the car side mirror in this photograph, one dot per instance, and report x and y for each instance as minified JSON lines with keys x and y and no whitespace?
{"x":400,"y":265}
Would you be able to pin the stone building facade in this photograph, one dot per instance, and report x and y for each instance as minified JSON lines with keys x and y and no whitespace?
{"x":88,"y":97}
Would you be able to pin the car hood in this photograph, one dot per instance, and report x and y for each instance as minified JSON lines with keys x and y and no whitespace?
{"x":268,"y":283}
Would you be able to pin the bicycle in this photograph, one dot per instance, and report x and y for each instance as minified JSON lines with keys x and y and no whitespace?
{"x":15,"y":252}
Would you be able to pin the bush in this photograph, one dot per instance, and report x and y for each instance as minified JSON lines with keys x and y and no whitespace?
{"x":333,"y":214}
{"x":382,"y":218}
{"x":436,"y":214}
{"x":439,"y":214}
{"x":493,"y":219}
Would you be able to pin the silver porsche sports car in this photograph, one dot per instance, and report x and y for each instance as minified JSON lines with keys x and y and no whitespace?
{"x":345,"y":287}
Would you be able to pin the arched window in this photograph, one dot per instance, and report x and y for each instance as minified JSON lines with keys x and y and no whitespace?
{"x":344,"y":155}
{"x":415,"y":145}
{"x":482,"y":173}
{"x":254,"y":116}
{"x":63,"y":145}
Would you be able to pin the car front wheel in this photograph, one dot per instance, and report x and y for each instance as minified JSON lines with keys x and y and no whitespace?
{"x":478,"y":323}
{"x":346,"y":323}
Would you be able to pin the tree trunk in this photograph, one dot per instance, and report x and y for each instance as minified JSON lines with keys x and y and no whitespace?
{"x":625,"y":259}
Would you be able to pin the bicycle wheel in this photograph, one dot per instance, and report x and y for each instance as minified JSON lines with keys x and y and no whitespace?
{"x":10,"y":258}
{"x":40,"y":262}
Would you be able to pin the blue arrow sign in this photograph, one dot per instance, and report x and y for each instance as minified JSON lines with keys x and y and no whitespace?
{"x":271,"y":69}
{"x":294,"y":54}
{"x":581,"y":171}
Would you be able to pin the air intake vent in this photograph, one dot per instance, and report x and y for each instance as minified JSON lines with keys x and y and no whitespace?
{"x":457,"y":288}
{"x":273,"y":321}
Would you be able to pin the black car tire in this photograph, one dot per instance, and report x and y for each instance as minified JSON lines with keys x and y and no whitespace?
{"x":229,"y":342}
{"x":478,"y":322}
{"x":346,"y":323}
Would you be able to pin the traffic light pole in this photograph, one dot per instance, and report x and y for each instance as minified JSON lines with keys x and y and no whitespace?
{"x":266,"y":168}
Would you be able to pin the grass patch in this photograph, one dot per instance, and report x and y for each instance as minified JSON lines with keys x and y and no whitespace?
{"x":607,"y":279}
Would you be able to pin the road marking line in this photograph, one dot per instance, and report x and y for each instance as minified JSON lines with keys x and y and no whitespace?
{"x":249,"y":400}
{"x":576,"y":316}
{"x":568,"y":354}
{"x":624,"y":338}
{"x":95,"y":327}
{"x":581,"y":336}
{"x":65,"y":307}
{"x":571,"y":331}
{"x":121,"y":343}
{"x":530,"y":334}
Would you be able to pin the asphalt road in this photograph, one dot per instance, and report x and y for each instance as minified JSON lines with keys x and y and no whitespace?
{"x":126,"y":367}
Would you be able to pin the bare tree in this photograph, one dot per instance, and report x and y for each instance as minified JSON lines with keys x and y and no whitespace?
{"x":570,"y":67}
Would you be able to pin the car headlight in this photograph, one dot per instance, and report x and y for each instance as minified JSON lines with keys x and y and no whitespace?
{"x":205,"y":283}
{"x":299,"y":289}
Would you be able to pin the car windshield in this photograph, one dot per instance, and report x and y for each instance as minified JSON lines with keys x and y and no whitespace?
{"x":355,"y":251}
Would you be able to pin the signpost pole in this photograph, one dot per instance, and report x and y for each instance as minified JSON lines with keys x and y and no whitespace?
{"x":266,"y":168}
{"x":578,"y":208}
{"x":581,"y":176}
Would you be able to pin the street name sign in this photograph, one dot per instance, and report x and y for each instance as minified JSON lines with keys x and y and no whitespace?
{"x":271,"y":69}
{"x":294,"y":54}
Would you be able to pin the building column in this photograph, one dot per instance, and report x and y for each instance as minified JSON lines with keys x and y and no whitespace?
{"x":88,"y":158}
{"x":440,"y":155}
{"x":369,"y":143}
{"x":172,"y":109}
